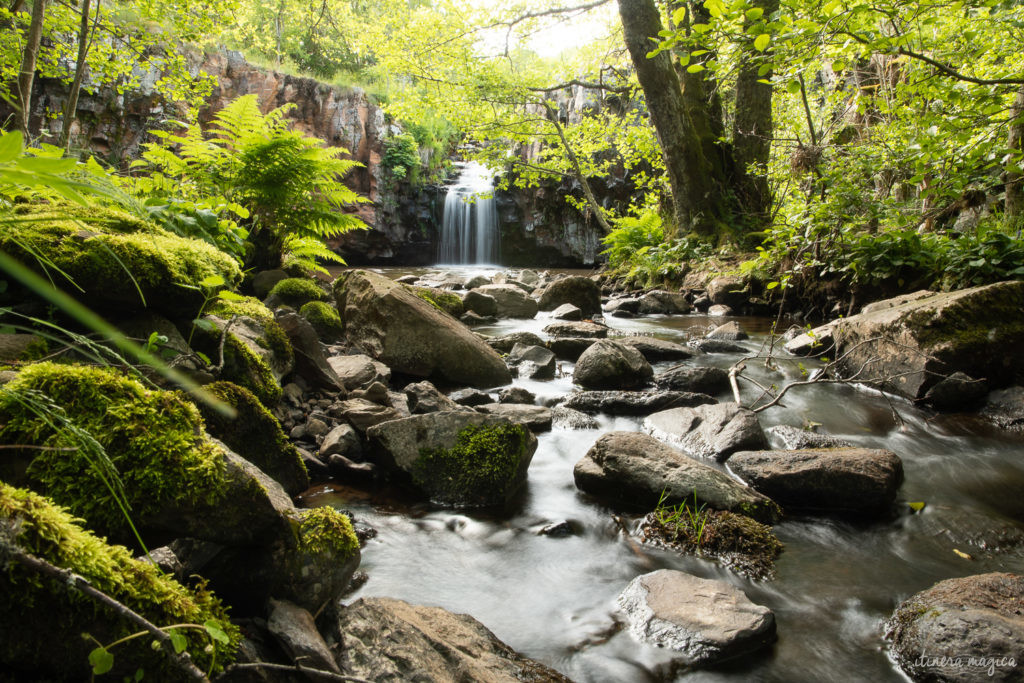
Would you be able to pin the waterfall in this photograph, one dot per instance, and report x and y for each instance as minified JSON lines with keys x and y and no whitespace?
{"x":469,"y":229}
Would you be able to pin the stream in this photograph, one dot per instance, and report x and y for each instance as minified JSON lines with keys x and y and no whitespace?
{"x":553,"y":598}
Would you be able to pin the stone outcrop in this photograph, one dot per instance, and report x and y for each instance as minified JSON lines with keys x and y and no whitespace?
{"x":709,"y":431}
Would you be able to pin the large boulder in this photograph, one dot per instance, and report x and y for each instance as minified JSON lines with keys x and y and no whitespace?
{"x":390,"y":641}
{"x":534,"y":362}
{"x":359,"y":371}
{"x":662,"y":302}
{"x":537,"y":418}
{"x":701,"y":379}
{"x":570,"y":348}
{"x":577,"y":329}
{"x":793,"y":438}
{"x":310,"y":362}
{"x":729,"y":290}
{"x":505,"y":343}
{"x":412,"y":337}
{"x":480,"y":303}
{"x":703,"y":620}
{"x":638,"y":471}
{"x":456,"y":457}
{"x":851,"y":481}
{"x":633,"y":402}
{"x":965,"y":630}
{"x":611,"y":365}
{"x":577,"y":290}
{"x":1006,"y":408}
{"x":654,"y":349}
{"x":708,"y":431}
{"x":511,"y":301}
{"x":913,"y":344}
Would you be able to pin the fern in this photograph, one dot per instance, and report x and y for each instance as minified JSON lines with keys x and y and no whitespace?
{"x":631,"y":235}
{"x":307,"y":253}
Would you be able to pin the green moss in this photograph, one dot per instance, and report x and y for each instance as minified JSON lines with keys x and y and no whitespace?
{"x":325,"y":531}
{"x":446,"y":302}
{"x":155,"y":439}
{"x":296,"y":291}
{"x":247,"y":369}
{"x":324,"y":318}
{"x":98,"y":258}
{"x":60,"y":615}
{"x":36,"y":350}
{"x":276,"y":340}
{"x":255,"y":435}
{"x":482,"y":467}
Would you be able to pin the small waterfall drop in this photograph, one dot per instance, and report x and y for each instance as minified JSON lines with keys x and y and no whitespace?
{"x":469,"y":228}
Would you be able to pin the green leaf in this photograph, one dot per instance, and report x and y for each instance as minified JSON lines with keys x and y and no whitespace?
{"x":211,"y":281}
{"x":178,"y":641}
{"x":793,"y":87}
{"x":101,"y":660}
{"x":679,"y":16}
{"x":228,"y":295}
{"x":763,"y":70}
{"x":838,"y":65}
{"x":695,"y":68}
{"x":761,"y":42}
{"x":204,"y":325}
{"x":213,"y":627}
{"x":771,"y":285}
{"x":755,"y":13}
{"x":10,"y":146}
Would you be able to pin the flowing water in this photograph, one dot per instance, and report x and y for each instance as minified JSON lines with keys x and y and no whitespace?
{"x":469,"y":226}
{"x":554,"y":598}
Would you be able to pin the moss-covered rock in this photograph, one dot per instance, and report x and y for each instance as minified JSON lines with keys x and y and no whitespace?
{"x":49,"y":644}
{"x":113,"y":257}
{"x":155,"y":439}
{"x":296,"y":291}
{"x":441,"y":299}
{"x":324,"y":318}
{"x":255,"y":435}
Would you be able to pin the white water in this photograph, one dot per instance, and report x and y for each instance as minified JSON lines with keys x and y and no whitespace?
{"x":469,"y":229}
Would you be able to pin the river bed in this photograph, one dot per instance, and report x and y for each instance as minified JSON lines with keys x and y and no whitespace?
{"x":553,"y":598}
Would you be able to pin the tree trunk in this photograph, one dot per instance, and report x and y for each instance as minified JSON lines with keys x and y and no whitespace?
{"x":588,"y":192}
{"x":27,"y":73}
{"x":1015,"y":180}
{"x":697,"y":185}
{"x":71,"y":107}
{"x":752,"y":130}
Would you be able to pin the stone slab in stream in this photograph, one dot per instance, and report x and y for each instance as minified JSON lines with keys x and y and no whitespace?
{"x":633,"y":402}
{"x":511,"y":301}
{"x":708,"y":431}
{"x":654,"y":349}
{"x":537,"y":418}
{"x":704,"y":620}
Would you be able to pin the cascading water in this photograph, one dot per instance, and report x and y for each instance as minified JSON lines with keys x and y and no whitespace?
{"x":469,"y":229}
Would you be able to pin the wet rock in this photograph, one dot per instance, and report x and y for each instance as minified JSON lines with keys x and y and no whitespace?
{"x":636,"y":470}
{"x":959,"y":391}
{"x":793,"y":438}
{"x":471,"y":397}
{"x":511,"y":301}
{"x":662,"y":302}
{"x":654,"y":349}
{"x":375,"y":393}
{"x":730,"y":331}
{"x":342,"y":440}
{"x":719,"y":310}
{"x":708,"y":431}
{"x":363,"y":414}
{"x":296,"y":633}
{"x":562,"y":529}
{"x":471,"y":319}
{"x":505,"y":343}
{"x":702,"y":302}
{"x":567,"y":418}
{"x":534,"y":362}
{"x":408,"y":279}
{"x":704,"y":620}
{"x":729,"y":290}
{"x":477,"y":281}
{"x":425,"y":398}
{"x":567,"y":312}
{"x":264,"y":281}
{"x":1006,"y":408}
{"x":317,"y":468}
{"x":347,"y":470}
{"x":911,"y":345}
{"x":966,"y":629}
{"x":482,"y":304}
{"x":537,"y":418}
{"x":390,"y":641}
{"x":633,"y":402}
{"x":849,"y":481}
{"x":455,"y":457}
{"x":611,"y":365}
{"x":577,"y":290}
{"x":410,"y":336}
{"x":570,"y":348}
{"x":516,"y":395}
{"x":625,"y":307}
{"x":716,"y":346}
{"x":577,"y":329}
{"x":359,"y":371}
{"x":694,"y":378}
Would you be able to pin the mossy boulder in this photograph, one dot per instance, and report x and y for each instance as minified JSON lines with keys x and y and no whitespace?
{"x":325,"y":320}
{"x":909,"y":344}
{"x":176,"y":479}
{"x":295,"y":292}
{"x":441,"y":299}
{"x":121,"y":263}
{"x":255,"y":434}
{"x":456,"y":457}
{"x":411,"y":336}
{"x":48,"y":644}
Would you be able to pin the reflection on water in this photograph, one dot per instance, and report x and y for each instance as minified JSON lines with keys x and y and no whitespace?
{"x":554,"y":598}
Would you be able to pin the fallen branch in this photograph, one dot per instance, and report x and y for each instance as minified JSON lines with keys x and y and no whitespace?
{"x":319,"y":673}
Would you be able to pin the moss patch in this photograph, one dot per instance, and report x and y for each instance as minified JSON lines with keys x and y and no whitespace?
{"x":155,"y":439}
{"x":482,"y":468}
{"x":60,"y":615}
{"x":740,"y":543}
{"x":296,"y":291}
{"x":102,"y":247}
{"x":446,"y":302}
{"x":325,"y":531}
{"x":324,"y":318}
{"x":251,"y":307}
{"x":255,"y":435}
